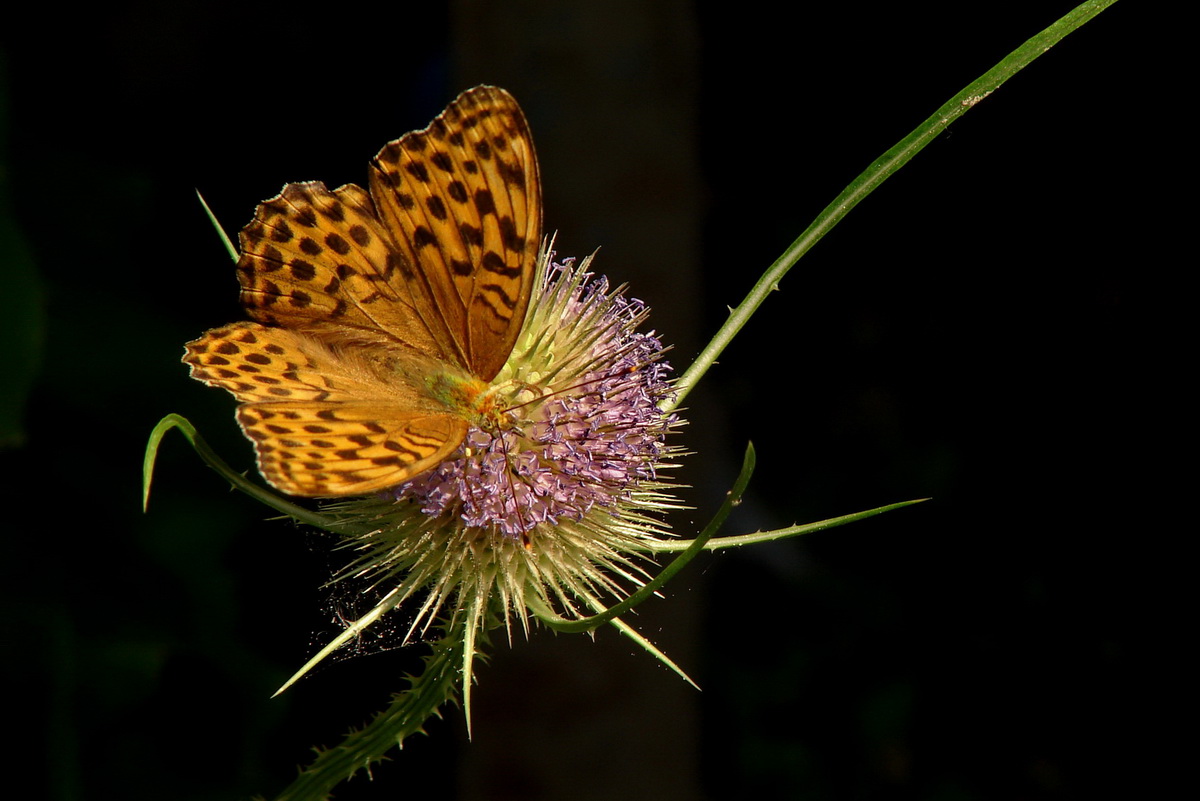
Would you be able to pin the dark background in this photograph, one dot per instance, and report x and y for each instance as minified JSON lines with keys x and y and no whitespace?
{"x":997,"y":328}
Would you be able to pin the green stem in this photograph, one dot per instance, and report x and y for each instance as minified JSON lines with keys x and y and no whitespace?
{"x":212,"y":218}
{"x":875,"y":175}
{"x":235,"y":478}
{"x":732,"y":499}
{"x":781,"y":533}
{"x":406,"y":716}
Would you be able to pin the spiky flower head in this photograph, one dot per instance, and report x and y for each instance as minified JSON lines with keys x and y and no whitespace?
{"x":549,"y":501}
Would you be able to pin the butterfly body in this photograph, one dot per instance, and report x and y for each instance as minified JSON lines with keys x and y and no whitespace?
{"x":380,"y":318}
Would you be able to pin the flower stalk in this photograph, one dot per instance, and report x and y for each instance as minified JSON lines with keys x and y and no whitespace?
{"x":873,"y":176}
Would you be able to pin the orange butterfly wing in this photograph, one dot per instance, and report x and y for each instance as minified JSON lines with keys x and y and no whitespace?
{"x":358,"y":299}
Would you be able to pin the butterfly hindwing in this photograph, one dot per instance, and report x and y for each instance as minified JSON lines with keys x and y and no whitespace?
{"x":323,"y":422}
{"x":256,"y":363}
{"x":317,"y":449}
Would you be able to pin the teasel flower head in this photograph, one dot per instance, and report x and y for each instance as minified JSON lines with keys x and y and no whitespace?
{"x":551,"y":501}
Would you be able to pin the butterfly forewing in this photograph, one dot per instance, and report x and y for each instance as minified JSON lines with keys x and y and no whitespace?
{"x":312,"y":256}
{"x":363,"y":302}
{"x":465,"y":193}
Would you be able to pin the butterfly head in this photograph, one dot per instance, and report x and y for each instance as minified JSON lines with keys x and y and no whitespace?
{"x":483,"y":405}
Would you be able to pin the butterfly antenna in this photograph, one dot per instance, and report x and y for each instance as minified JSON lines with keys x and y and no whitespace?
{"x":510,"y":469}
{"x":574,"y":387}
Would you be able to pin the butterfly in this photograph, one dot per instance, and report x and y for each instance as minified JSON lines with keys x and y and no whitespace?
{"x":379,"y":317}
